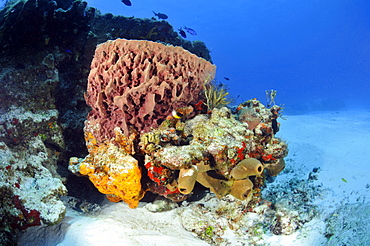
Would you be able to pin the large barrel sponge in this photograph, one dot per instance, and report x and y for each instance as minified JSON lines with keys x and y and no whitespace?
{"x":137,"y":83}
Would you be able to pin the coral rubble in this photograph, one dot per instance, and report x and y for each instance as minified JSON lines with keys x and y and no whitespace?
{"x":348,"y":225}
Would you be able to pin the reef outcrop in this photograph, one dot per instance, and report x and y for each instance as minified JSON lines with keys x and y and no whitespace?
{"x":135,"y":143}
{"x":46,"y":50}
{"x":146,"y":121}
{"x":133,"y":86}
{"x":219,"y":151}
{"x":30,"y":186}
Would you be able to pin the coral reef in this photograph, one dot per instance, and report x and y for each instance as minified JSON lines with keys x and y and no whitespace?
{"x":46,"y":50}
{"x":223,"y":154}
{"x":143,"y":116}
{"x":135,"y":143}
{"x":30,"y":187}
{"x":69,"y":32}
{"x":133,"y":86}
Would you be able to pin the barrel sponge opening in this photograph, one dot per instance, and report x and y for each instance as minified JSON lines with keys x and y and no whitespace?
{"x":247,"y":167}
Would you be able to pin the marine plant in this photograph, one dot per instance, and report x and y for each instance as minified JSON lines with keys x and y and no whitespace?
{"x":216,"y":96}
{"x":209,"y":231}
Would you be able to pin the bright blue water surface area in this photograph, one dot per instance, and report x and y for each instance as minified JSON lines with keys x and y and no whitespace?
{"x":315,"y":53}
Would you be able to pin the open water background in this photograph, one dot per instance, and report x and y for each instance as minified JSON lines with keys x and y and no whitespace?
{"x":315,"y":53}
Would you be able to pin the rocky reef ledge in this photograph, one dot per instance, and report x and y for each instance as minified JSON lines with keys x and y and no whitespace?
{"x":46,"y":50}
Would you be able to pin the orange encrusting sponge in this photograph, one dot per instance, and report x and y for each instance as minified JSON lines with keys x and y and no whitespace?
{"x":114,"y":173}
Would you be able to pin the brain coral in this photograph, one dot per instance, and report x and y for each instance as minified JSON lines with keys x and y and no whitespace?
{"x":137,"y":83}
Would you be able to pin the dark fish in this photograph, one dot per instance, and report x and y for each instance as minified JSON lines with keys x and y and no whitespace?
{"x":182,"y":33}
{"x":160,"y":15}
{"x":275,"y":126}
{"x":127,"y":2}
{"x":190,"y":31}
{"x":226,"y":78}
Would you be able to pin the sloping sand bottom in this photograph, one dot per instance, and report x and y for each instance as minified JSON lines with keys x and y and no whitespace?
{"x":329,"y":150}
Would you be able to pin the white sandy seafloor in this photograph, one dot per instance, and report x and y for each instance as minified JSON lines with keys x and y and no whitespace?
{"x":328,"y":155}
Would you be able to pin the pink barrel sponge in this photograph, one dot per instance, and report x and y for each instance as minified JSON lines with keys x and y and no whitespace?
{"x":137,"y":83}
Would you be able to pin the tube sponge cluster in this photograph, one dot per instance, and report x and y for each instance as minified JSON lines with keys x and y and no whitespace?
{"x":223,"y":154}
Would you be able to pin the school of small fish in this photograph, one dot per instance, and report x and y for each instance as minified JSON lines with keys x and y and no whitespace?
{"x":162,"y":16}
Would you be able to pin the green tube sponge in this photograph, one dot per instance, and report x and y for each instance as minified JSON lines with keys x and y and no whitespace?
{"x":247,"y":167}
{"x":187,"y":179}
{"x":241,"y":189}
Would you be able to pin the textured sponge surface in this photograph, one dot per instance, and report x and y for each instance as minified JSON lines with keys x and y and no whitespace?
{"x":137,"y":83}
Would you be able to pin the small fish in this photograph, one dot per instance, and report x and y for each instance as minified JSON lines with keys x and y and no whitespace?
{"x":177,"y":115}
{"x":239,"y":107}
{"x":160,"y":15}
{"x":182,"y":33}
{"x":181,"y":113}
{"x":190,"y":31}
{"x":226,"y":78}
{"x":127,"y":2}
{"x":274,"y":126}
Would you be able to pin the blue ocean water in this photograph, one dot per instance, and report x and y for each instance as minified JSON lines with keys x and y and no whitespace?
{"x":315,"y":53}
